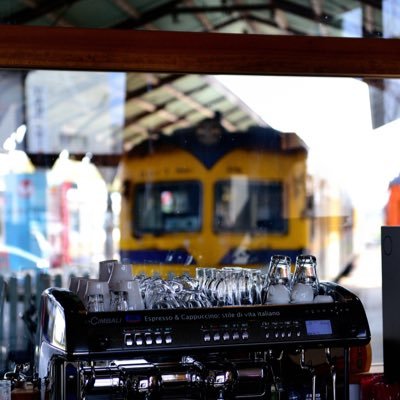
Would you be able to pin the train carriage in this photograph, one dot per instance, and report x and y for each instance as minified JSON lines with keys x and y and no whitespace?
{"x":207,"y":197}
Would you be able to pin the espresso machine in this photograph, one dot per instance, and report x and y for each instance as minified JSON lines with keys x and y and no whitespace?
{"x":252,"y":350}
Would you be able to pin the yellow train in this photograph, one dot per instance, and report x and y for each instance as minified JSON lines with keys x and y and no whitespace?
{"x":206,"y":197}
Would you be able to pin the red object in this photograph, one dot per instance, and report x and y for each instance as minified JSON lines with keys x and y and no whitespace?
{"x":360,"y":359}
{"x":373,"y":387}
{"x":393,"y":205}
{"x":64,"y":216}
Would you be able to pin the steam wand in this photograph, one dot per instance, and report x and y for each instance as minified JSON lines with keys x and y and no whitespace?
{"x":332,"y":369}
{"x":311,"y":370}
{"x":275,"y":379}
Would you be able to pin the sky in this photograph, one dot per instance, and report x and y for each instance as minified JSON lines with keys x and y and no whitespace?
{"x":333,"y":117}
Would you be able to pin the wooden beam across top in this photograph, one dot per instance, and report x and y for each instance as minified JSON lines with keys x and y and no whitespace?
{"x":26,"y":47}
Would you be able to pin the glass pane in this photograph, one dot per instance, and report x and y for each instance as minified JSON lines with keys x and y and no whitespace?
{"x":198,"y":171}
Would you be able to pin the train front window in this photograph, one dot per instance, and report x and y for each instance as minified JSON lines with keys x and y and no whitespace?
{"x":167,"y":207}
{"x":248,"y":206}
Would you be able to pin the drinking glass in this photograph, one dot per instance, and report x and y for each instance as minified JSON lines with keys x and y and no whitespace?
{"x":245,"y":285}
{"x":97,"y":296}
{"x":120,"y":272}
{"x":105,"y":269}
{"x":73,"y":284}
{"x":200,"y":277}
{"x":119,"y":301}
{"x":232,"y":276}
{"x":279,"y":270}
{"x":277,"y":288}
{"x":5,"y":389}
{"x":133,"y":295}
{"x":81,"y":288}
{"x":304,"y":285}
{"x":258,"y":279}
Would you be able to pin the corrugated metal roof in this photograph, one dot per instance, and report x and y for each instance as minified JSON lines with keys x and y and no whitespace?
{"x":315,"y":17}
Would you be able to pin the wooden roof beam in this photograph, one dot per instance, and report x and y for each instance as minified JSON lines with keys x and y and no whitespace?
{"x":132,"y":12}
{"x":183,"y":119}
{"x":38,"y":10}
{"x":155,"y":85}
{"x":317,"y":7}
{"x":199,"y":107}
{"x":202,"y":18}
{"x":56,"y":17}
{"x":285,"y":5}
{"x":143,"y":104}
{"x":151,"y":108}
{"x":280,"y":22}
{"x":132,"y":120}
{"x":245,"y":15}
{"x":281,"y":19}
{"x":148,"y":16}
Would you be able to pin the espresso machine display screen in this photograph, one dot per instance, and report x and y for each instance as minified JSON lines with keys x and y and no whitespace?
{"x":319,"y":327}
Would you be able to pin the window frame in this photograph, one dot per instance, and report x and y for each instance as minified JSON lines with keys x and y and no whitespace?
{"x":136,"y":231}
{"x":188,"y":52}
{"x":253,"y":185}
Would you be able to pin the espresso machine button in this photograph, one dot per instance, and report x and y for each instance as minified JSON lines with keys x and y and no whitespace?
{"x":226,"y":336}
{"x":217,"y":337}
{"x":235,"y":335}
{"x":138,"y":339}
{"x":158,"y":339}
{"x":128,"y":339}
{"x":148,"y":339}
{"x":168,"y":339}
{"x":245,"y":335}
{"x":207,"y":337}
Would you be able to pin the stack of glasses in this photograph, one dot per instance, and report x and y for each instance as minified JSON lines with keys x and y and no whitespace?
{"x":116,"y":289}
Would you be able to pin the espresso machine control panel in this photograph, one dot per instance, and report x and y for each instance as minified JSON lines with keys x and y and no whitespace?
{"x":257,"y":326}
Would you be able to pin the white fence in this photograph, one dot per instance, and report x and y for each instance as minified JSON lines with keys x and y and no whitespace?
{"x":19,"y":306}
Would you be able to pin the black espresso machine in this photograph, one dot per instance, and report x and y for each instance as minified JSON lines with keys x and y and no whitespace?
{"x":253,"y":351}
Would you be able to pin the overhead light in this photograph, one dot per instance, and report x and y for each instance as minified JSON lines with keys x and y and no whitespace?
{"x":64,"y":155}
{"x":20,"y":133}
{"x":9,"y":144}
{"x":86,"y":159}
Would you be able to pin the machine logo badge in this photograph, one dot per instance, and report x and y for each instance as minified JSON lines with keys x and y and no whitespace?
{"x":101,"y":321}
